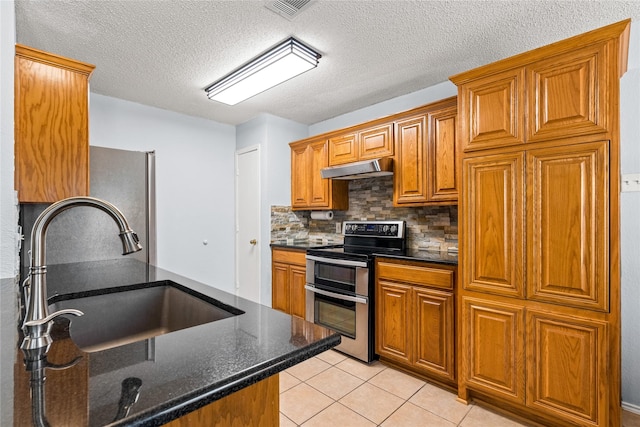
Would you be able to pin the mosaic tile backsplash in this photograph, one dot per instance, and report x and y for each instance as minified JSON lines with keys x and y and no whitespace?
{"x":428,"y":228}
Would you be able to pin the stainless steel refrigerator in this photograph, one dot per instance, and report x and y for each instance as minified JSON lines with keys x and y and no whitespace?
{"x":124,"y":178}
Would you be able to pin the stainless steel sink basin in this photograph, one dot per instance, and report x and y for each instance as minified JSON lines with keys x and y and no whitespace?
{"x":118,"y":316}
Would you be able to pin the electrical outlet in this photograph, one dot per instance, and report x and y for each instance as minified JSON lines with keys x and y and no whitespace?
{"x":630,"y":182}
{"x":338,"y":227}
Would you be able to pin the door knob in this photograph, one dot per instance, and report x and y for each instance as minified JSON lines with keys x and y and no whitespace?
{"x":253,"y":241}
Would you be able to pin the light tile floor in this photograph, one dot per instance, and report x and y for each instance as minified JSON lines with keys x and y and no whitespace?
{"x":333,"y":389}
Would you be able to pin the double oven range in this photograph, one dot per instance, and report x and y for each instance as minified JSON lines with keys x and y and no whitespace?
{"x":341,"y":280}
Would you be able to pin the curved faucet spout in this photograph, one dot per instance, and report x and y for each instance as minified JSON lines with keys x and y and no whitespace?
{"x":36,"y":323}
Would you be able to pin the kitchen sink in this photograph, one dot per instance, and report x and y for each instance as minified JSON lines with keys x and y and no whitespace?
{"x":117,"y":316}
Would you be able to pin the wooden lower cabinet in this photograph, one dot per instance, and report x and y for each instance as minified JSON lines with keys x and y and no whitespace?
{"x":288,"y":277}
{"x":415,"y":318}
{"x":552,"y":366}
{"x":256,"y":405}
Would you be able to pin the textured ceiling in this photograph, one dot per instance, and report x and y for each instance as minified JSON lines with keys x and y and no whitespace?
{"x":164,"y":53}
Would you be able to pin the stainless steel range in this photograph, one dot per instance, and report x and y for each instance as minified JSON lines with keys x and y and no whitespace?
{"x":340,"y":282}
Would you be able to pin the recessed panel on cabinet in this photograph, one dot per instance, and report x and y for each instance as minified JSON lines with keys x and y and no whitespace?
{"x":493,"y":237}
{"x":567,"y":256}
{"x":442,"y":176}
{"x":434,"y":333}
{"x":494,"y":343}
{"x":567,"y":367}
{"x":343,"y":149}
{"x":493,"y":111}
{"x":376,"y":142}
{"x":568,"y":94}
{"x":410,"y":179}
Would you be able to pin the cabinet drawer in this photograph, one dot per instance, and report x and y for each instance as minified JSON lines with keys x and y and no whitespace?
{"x":418,"y":275}
{"x":288,"y":256}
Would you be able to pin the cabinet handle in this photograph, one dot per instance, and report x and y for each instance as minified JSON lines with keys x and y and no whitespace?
{"x":253,"y":241}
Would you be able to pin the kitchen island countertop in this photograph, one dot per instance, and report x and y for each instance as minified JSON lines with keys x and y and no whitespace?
{"x":179,"y":372}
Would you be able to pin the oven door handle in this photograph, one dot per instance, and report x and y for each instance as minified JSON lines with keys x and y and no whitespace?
{"x":348,"y":263}
{"x":359,"y":300}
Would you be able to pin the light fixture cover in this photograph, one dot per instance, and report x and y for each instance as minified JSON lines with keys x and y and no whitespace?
{"x":284,"y":61}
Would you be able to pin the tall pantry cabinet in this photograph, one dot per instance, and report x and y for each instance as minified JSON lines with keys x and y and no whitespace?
{"x":539,"y":305}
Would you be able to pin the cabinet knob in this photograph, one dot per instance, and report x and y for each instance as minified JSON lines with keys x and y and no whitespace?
{"x":253,"y":241}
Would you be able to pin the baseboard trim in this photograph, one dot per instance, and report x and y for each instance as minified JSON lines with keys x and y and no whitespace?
{"x":631,"y":408}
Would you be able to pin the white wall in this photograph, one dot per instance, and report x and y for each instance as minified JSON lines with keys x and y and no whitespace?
{"x":630,"y":225}
{"x":8,"y":213}
{"x":194,"y":183}
{"x":273,"y":135}
{"x":386,"y":108}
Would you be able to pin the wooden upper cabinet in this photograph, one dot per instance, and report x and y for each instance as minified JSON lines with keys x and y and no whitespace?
{"x":493,"y":111}
{"x":568,"y":93}
{"x":410,"y":176}
{"x":308,"y":189}
{"x":442,"y":173}
{"x":568,"y":239}
{"x":493,"y":215}
{"x":361,"y":144}
{"x":376,"y":142}
{"x":343,"y":149}
{"x":426,"y":168}
{"x":51,"y":126}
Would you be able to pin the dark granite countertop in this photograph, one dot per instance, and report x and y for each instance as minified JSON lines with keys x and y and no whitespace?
{"x":425,"y":256}
{"x":302,"y":244}
{"x":408,"y":254}
{"x":179,"y":372}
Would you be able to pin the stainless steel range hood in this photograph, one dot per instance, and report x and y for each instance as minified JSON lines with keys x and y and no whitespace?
{"x":358,"y":170}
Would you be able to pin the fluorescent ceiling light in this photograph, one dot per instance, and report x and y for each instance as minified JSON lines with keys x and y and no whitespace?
{"x":279,"y":64}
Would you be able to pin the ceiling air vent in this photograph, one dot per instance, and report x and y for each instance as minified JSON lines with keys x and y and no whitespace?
{"x":287,"y":8}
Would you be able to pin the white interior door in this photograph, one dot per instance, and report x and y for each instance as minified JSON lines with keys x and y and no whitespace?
{"x":248,"y":223}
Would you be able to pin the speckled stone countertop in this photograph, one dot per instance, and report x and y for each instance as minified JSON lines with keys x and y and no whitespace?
{"x":426,"y":256}
{"x":179,"y":372}
{"x":407,"y":254}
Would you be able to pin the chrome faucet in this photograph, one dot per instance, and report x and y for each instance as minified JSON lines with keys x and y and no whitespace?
{"x":37,"y":321}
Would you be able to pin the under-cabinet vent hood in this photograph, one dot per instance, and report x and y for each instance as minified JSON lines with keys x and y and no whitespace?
{"x":358,"y":170}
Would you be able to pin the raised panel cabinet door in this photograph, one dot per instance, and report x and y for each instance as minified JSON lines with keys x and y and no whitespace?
{"x":297,"y":280}
{"x":493,"y":346}
{"x":442,"y":171}
{"x":567,"y":221}
{"x":300,"y":159}
{"x":280,"y":289}
{"x":492,"y":111}
{"x":569,"y":93}
{"x":410,"y":176}
{"x":434,"y":337}
{"x":493,"y":224}
{"x":567,"y":368}
{"x":319,"y":196}
{"x":51,"y":126}
{"x":393,"y":326}
{"x":376,"y":142}
{"x":343,"y":149}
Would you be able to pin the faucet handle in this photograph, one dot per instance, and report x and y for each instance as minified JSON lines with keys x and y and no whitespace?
{"x":52,"y":316}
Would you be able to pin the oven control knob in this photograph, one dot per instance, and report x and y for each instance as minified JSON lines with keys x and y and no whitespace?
{"x":385,"y":229}
{"x":394,"y":228}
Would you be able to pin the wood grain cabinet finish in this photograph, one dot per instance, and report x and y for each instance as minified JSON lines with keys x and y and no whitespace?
{"x":415,"y":318}
{"x":51,"y":126}
{"x":362,"y":144}
{"x":491,"y":111}
{"x":493,"y":214}
{"x":288,"y":277}
{"x":568,"y":93}
{"x":540,"y":228}
{"x":426,"y":171}
{"x":308,"y":189}
{"x":567,"y":363}
{"x":567,"y":253}
{"x":493,"y":340}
